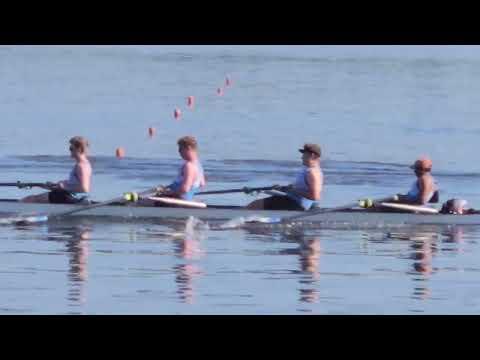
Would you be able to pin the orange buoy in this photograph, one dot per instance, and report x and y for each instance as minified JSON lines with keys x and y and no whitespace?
{"x":191,"y":102}
{"x":120,"y":152}
{"x":220,"y":91}
{"x":177,"y":113}
{"x":228,"y":82}
{"x":151,"y":131}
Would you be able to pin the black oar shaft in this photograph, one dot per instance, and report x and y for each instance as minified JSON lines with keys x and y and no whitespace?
{"x":23,"y":185}
{"x":239,"y":190}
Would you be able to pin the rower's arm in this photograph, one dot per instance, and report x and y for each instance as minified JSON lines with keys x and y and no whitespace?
{"x":203,"y":181}
{"x":426,"y":187}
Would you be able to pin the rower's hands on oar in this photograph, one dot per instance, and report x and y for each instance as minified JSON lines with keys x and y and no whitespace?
{"x":164,"y":191}
{"x":50,"y":186}
{"x":250,"y":191}
{"x":283,"y":188}
{"x":255,"y":191}
{"x":21,"y":185}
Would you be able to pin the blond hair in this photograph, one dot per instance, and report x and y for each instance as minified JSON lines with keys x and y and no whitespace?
{"x":187,"y":141}
{"x":79,"y":143}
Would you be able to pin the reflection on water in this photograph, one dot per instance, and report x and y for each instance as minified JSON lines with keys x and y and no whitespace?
{"x":185,"y":275}
{"x":308,"y":252}
{"x":129,"y":269}
{"x":309,"y":261}
{"x":455,"y":236}
{"x":422,"y":254}
{"x":424,"y":247}
{"x":188,"y":248}
{"x":77,"y":249}
{"x":76,"y":240}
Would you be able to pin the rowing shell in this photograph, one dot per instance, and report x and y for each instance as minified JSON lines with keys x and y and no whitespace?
{"x":360,"y":217}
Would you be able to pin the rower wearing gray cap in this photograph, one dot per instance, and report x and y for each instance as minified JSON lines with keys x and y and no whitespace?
{"x":305,"y":192}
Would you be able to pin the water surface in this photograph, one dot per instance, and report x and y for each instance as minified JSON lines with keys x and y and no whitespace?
{"x":373,"y":109}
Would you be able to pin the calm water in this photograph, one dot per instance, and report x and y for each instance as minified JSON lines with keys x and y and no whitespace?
{"x":373,"y":110}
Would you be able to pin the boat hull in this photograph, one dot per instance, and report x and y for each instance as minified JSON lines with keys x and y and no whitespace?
{"x":353,"y":217}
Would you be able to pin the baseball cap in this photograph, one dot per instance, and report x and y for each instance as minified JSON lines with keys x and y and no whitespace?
{"x":312,"y":148}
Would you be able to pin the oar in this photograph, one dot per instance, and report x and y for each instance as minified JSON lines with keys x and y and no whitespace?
{"x":127,"y":197}
{"x":360,"y":203}
{"x":244,"y":190}
{"x":22,"y":185}
{"x":130,"y":196}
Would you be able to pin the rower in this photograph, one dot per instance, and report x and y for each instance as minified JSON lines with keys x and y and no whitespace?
{"x":76,"y":188}
{"x":424,"y":190}
{"x":190,"y":177}
{"x":305,"y":192}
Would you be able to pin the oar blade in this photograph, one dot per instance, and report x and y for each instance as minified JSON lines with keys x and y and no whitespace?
{"x":19,"y":219}
{"x":264,"y":220}
{"x":32,"y":219}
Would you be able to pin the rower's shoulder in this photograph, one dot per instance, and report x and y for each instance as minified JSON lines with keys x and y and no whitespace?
{"x":427,"y":178}
{"x":189,"y":165}
{"x":315,"y":171}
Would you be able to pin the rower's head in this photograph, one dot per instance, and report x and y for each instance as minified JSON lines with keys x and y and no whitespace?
{"x":78,"y":146}
{"x":311,"y":154}
{"x":187,"y":147}
{"x":422,"y":166}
